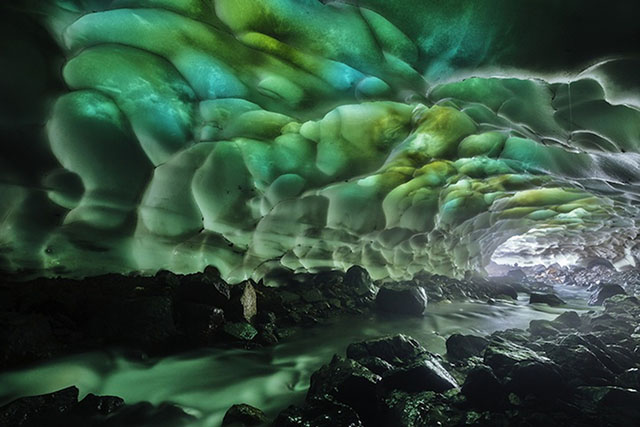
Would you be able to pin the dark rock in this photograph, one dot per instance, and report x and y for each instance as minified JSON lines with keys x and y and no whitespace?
{"x":482,"y":388}
{"x":541,"y":379}
{"x":629,"y":379}
{"x":375,"y":365}
{"x":614,"y":406}
{"x":402,"y":299}
{"x":36,"y":410}
{"x":312,"y":295}
{"x":243,"y":303}
{"x":103,"y":405}
{"x":605,"y":291}
{"x":502,"y":355}
{"x":396,"y":350}
{"x":146,"y":414}
{"x":422,"y":375}
{"x":25,"y":337}
{"x":202,"y":289}
{"x":244,"y":415}
{"x":580,"y":365}
{"x":318,"y":413}
{"x":542,"y":328}
{"x":504,"y":289}
{"x":200,"y":322}
{"x":240,"y":330}
{"x":403,"y":409}
{"x":568,"y":319}
{"x":358,"y":280}
{"x":347,"y":382}
{"x":549,"y":299}
{"x":461,"y":347}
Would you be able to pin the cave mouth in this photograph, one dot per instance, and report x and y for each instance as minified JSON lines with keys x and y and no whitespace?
{"x":289,"y":213}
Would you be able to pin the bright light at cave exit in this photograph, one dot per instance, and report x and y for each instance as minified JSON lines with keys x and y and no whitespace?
{"x":524,"y":250}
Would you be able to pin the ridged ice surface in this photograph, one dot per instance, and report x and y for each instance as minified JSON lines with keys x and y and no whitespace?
{"x":254,"y":135}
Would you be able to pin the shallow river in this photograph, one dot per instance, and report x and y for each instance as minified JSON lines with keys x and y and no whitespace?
{"x":207,"y":382}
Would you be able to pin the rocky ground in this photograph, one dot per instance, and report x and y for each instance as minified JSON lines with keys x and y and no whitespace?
{"x":575,"y":370}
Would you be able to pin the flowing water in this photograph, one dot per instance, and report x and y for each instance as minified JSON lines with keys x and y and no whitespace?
{"x":207,"y":382}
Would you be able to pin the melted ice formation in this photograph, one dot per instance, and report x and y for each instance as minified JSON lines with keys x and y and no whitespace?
{"x":255,"y":135}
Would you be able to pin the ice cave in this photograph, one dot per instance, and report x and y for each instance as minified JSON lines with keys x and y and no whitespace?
{"x":314,"y":213}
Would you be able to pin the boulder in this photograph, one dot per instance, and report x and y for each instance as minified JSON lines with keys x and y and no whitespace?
{"x":396,"y":350}
{"x":426,"y":374}
{"x":567,"y":320}
{"x":605,"y":291}
{"x":347,"y":382}
{"x":550,"y":299}
{"x":402,"y":299}
{"x":460,"y":347}
{"x":502,"y":355}
{"x":318,"y":413}
{"x":243,"y":302}
{"x":541,"y":379}
{"x":357,"y":280}
{"x":243,"y":415}
{"x":542,"y":328}
{"x":482,"y":388}
{"x":36,"y":410}
{"x":240,"y":330}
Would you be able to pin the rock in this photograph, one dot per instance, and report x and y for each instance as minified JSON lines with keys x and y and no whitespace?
{"x":145,"y":414}
{"x":396,"y":350}
{"x":243,"y":302}
{"x":482,"y":388}
{"x":103,"y":405}
{"x":36,"y":410}
{"x":244,"y":415}
{"x":423,"y":375}
{"x":202,"y":289}
{"x":358,"y":280}
{"x":580,"y":365}
{"x":376,"y":365}
{"x":347,"y":382}
{"x":400,"y":299}
{"x":318,"y":413}
{"x":568,"y":319}
{"x":240,"y":330}
{"x":605,"y":291}
{"x":542,"y":328}
{"x":517,"y":274}
{"x":460,"y":347}
{"x":504,"y":289}
{"x":541,"y":379}
{"x":549,"y":299}
{"x":615,"y":406}
{"x":502,"y":355}
{"x":200,"y":322}
{"x":403,"y":409}
{"x":312,"y":295}
{"x":25,"y":337}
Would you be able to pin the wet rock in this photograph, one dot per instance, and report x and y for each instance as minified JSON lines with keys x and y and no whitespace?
{"x":542,"y":328}
{"x":502,"y":355}
{"x":403,"y":409}
{"x":200,"y":322}
{"x":482,"y":388}
{"x":243,"y":415}
{"x":146,"y":414}
{"x":358,"y":280}
{"x":396,"y":350}
{"x":423,"y":375}
{"x":461,"y":347}
{"x":318,"y":413}
{"x":541,"y":379}
{"x":402,"y":299}
{"x":25,"y":337}
{"x":312,"y":295}
{"x":36,"y":410}
{"x":613,"y":406}
{"x":240,"y":330}
{"x":605,"y":291}
{"x":580,"y":365}
{"x":103,"y":405}
{"x":629,"y":379}
{"x":549,"y":299}
{"x":375,"y":365}
{"x":501,"y":290}
{"x":347,"y":382}
{"x":568,"y":319}
{"x":202,"y":289}
{"x":243,"y":302}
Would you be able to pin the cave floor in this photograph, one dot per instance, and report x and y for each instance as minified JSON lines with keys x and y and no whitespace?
{"x":206,"y":382}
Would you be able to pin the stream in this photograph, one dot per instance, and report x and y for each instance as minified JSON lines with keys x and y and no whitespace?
{"x":205,"y":383}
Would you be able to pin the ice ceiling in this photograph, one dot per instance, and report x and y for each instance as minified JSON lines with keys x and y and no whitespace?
{"x":264,"y":134}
